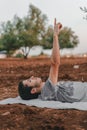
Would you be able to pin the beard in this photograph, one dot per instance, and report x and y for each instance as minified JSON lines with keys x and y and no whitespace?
{"x":37,"y":84}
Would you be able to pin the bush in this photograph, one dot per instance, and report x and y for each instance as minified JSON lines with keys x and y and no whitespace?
{"x":19,"y":55}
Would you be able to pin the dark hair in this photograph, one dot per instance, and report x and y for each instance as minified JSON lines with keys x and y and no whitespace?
{"x":25,"y":92}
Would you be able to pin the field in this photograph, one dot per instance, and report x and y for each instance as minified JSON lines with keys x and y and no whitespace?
{"x":22,"y":117}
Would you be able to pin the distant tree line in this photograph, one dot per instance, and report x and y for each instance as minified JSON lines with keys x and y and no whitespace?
{"x":32,"y":30}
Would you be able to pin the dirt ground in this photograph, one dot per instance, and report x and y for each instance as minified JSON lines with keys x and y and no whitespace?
{"x":22,"y":117}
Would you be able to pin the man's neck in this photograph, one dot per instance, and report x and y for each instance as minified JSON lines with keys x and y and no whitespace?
{"x":42,"y":84}
{"x":40,"y":87}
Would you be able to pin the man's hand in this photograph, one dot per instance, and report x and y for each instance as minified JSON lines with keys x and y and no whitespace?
{"x":57,"y":27}
{"x":55,"y":57}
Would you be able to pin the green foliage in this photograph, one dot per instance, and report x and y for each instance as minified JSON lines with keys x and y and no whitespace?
{"x":19,"y":55}
{"x":47,"y":41}
{"x":8,"y":39}
{"x":30,"y":31}
{"x":25,"y":32}
{"x":67,"y":38}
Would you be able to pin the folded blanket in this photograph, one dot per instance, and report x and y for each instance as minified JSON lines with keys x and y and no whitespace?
{"x":46,"y":104}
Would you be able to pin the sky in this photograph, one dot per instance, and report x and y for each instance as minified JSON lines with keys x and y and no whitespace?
{"x":65,"y":11}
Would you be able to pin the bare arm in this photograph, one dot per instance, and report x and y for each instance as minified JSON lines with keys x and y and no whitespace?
{"x":55,"y":58}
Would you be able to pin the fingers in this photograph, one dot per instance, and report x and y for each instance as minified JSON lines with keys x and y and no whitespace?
{"x":59,"y":25}
{"x":54,"y":21}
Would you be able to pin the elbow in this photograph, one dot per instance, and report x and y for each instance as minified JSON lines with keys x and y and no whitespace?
{"x":55,"y":62}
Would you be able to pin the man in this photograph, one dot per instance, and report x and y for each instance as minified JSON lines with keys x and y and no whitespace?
{"x":65,"y":92}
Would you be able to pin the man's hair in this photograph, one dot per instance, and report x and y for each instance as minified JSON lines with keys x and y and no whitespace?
{"x":25,"y":92}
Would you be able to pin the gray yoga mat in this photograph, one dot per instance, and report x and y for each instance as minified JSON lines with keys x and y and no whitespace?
{"x":46,"y":104}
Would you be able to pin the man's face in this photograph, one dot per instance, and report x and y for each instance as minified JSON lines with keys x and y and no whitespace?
{"x":32,"y":82}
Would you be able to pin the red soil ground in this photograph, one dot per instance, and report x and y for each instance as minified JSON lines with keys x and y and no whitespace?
{"x":22,"y":117}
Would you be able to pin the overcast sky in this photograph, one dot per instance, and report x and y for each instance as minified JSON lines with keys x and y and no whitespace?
{"x":66,"y":11}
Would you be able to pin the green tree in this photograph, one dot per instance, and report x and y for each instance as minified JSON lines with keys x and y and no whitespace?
{"x":8,"y":38}
{"x":32,"y":30}
{"x":34,"y":27}
{"x":47,"y":40}
{"x":26,"y":32}
{"x":67,"y":38}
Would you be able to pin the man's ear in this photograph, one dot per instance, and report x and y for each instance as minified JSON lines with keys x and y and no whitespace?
{"x":33,"y":90}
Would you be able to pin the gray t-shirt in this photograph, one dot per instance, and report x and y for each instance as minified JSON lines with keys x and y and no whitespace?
{"x":64,"y":91}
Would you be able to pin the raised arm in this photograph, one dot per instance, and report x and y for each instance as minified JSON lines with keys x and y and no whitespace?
{"x":55,"y":57}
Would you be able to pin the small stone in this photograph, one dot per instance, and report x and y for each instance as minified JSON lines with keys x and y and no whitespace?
{"x":6,"y":113}
{"x":76,"y":66}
